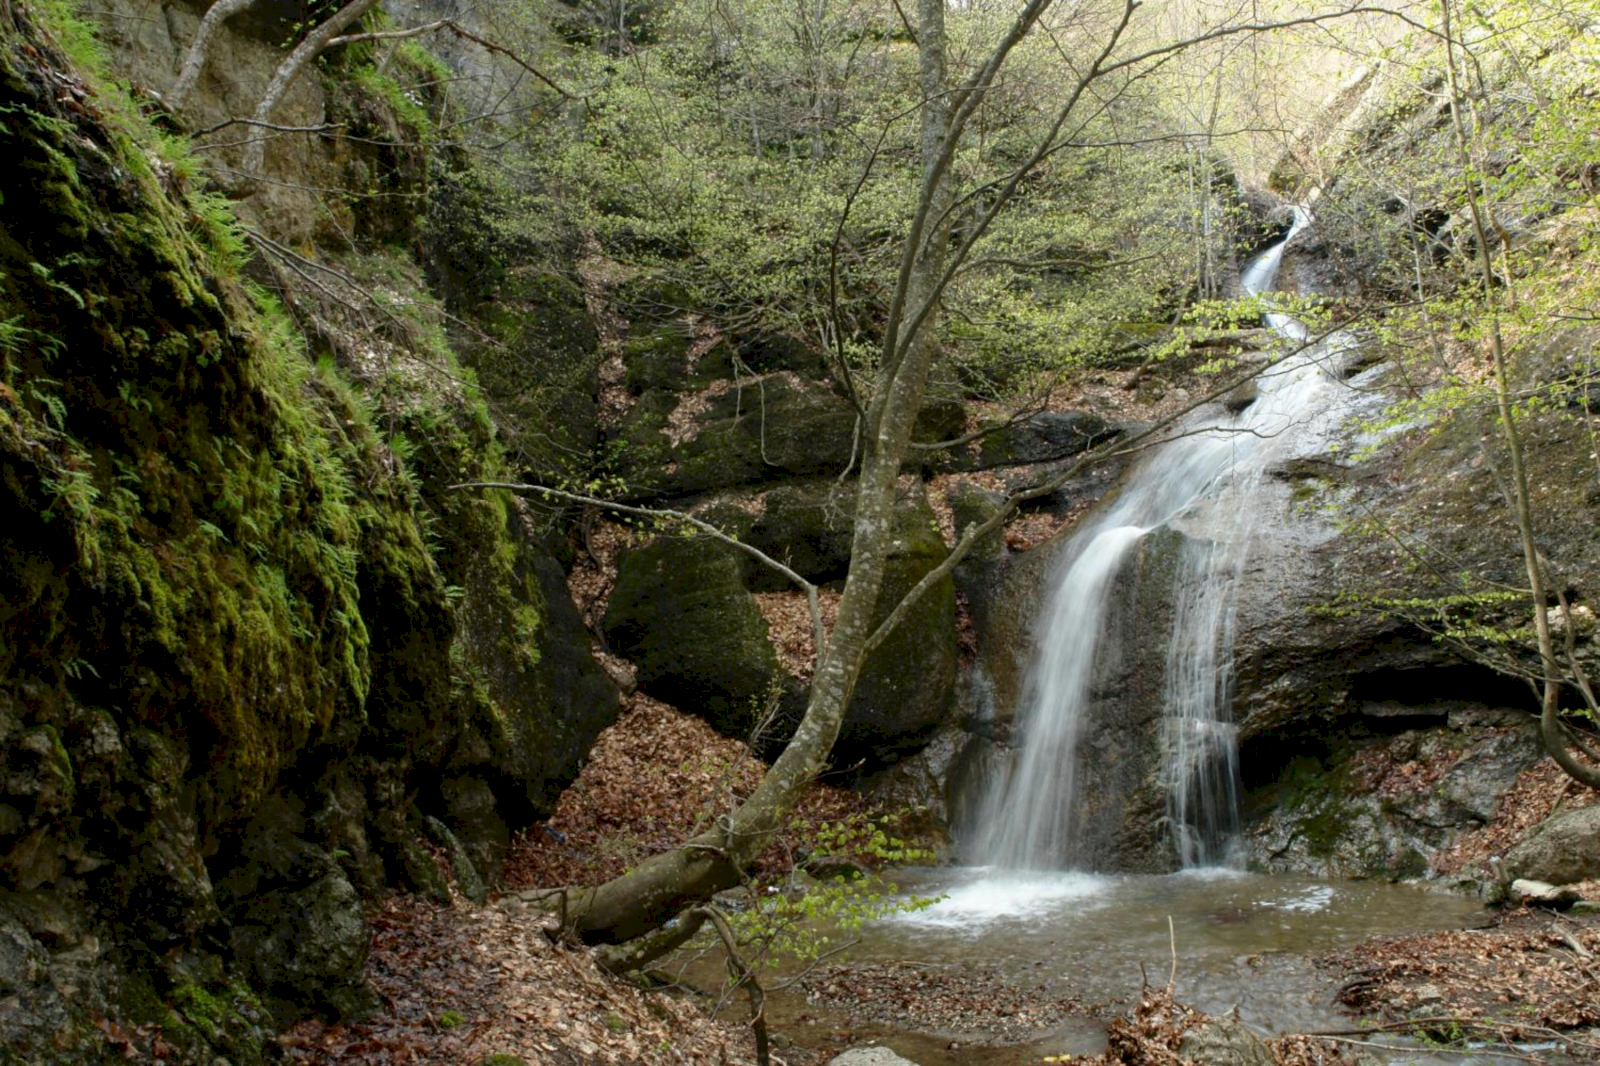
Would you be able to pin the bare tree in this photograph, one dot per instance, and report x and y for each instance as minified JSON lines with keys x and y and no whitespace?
{"x":1559,"y":740}
{"x":647,"y":897}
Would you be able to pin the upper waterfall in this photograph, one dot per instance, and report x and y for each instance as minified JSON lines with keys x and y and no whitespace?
{"x":1204,"y":482}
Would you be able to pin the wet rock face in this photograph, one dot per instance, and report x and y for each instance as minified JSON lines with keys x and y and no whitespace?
{"x":1368,"y":805}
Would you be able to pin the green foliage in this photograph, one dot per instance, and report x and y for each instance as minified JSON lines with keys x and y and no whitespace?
{"x":757,"y":164}
{"x":802,"y":921}
{"x":1399,"y":224}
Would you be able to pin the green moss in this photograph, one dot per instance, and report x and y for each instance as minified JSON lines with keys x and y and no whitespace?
{"x":1313,"y":793}
{"x":195,"y":503}
{"x":451,"y":1019}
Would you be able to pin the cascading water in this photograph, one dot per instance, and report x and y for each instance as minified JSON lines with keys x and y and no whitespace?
{"x":1205,"y":481}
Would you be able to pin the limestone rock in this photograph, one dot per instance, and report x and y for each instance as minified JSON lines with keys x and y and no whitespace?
{"x":1224,"y":1041}
{"x":869,"y":1056}
{"x":1542,"y":894}
{"x":1562,"y":850}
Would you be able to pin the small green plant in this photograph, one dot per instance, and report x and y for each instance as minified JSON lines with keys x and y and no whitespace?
{"x":800,"y":919}
{"x":451,"y":1019}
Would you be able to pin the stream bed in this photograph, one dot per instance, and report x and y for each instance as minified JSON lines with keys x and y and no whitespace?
{"x":1011,"y":966}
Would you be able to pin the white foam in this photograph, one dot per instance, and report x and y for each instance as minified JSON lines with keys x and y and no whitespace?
{"x":1211,"y":873}
{"x":1009,"y":895}
{"x":1308,"y":901}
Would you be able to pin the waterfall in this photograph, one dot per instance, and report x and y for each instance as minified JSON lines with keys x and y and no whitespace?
{"x":1204,"y":482}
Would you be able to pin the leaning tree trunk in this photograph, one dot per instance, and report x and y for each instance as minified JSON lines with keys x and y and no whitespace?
{"x":651,"y":894}
{"x":194,"y":59}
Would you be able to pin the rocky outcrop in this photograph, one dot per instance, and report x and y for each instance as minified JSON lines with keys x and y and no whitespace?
{"x":250,"y":641}
{"x":682,"y":610}
{"x":1365,"y":803}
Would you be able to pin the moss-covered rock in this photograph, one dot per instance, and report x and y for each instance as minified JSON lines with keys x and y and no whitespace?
{"x":1042,"y":438}
{"x":903,"y":693}
{"x":662,"y":360}
{"x":533,"y":345}
{"x":757,"y":431}
{"x":242,"y":627}
{"x":807,"y":525}
{"x":680,"y":611}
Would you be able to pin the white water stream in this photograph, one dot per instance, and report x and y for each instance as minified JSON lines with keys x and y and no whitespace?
{"x":1206,"y":480}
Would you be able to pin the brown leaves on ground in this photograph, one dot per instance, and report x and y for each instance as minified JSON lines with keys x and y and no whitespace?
{"x":594,"y":574}
{"x":1537,"y":794}
{"x":652,"y":780}
{"x":1379,"y":770}
{"x":1151,"y":1036}
{"x":1531,"y":975}
{"x":966,"y":999}
{"x":788,"y":616}
{"x":460,"y":984}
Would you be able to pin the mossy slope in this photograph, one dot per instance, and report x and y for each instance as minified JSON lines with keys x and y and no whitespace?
{"x":244,"y":646}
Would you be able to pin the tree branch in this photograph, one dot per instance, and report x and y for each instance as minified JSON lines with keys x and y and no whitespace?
{"x":818,"y":632}
{"x":460,"y":31}
{"x":194,"y":59}
{"x":307,"y":50}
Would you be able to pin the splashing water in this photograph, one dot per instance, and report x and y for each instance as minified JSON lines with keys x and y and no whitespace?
{"x":1207,"y":481}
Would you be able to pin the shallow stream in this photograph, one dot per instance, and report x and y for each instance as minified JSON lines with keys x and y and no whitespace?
{"x":1042,"y":958}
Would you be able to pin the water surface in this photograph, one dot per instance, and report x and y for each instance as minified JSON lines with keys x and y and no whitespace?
{"x":1228,"y":939}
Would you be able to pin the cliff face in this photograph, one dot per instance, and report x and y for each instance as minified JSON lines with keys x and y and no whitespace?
{"x":256,"y":659}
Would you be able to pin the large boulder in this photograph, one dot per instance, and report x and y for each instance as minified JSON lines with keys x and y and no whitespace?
{"x":1045,"y":437}
{"x":740,"y":432}
{"x":680,"y":611}
{"x":1564,"y":849}
{"x":904,"y":689}
{"x":808,"y":525}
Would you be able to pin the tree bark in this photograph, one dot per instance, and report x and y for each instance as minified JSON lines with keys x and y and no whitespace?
{"x":255,"y":152}
{"x":194,"y":60}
